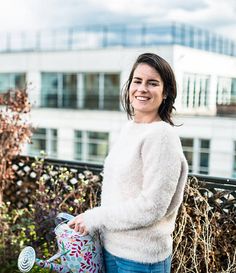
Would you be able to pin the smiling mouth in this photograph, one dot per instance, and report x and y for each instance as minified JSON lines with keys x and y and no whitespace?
{"x":142,"y":98}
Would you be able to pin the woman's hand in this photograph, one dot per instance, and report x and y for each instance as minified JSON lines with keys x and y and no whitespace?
{"x":78,"y":225}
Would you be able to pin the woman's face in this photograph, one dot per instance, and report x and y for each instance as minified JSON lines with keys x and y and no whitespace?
{"x":146,"y":91}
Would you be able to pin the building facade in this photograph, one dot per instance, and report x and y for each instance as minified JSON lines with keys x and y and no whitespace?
{"x":77,"y":112}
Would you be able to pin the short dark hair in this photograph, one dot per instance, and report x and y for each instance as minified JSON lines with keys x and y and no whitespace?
{"x":169,"y":89}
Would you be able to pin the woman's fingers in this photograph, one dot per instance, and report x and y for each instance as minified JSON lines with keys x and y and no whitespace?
{"x":78,"y":225}
{"x":71,"y":223}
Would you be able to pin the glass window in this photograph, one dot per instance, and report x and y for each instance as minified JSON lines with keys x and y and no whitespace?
{"x":197,"y":153}
{"x":59,"y":90}
{"x":91,"y":146}
{"x":12,"y":81}
{"x":195,"y":91}
{"x":111,"y":91}
{"x":38,"y":142}
{"x":187,"y":144}
{"x":223,"y":90}
{"x":233,"y":91}
{"x":49,"y":91}
{"x":226,"y":90}
{"x":97,"y":146}
{"x":4,"y":83}
{"x":70,"y":90}
{"x":78,"y":145}
{"x":204,"y":156}
{"x":91,"y":91}
{"x":52,"y":142}
{"x":44,"y":140}
{"x":19,"y":81}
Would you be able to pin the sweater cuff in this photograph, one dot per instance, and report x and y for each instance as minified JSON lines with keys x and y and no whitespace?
{"x":93,"y":219}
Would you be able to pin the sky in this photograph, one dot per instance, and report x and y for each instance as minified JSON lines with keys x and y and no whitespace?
{"x":20,"y":15}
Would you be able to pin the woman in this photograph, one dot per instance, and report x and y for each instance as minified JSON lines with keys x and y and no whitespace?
{"x":144,"y":176}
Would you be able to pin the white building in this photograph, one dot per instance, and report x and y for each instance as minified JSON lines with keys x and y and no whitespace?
{"x":75,"y":89}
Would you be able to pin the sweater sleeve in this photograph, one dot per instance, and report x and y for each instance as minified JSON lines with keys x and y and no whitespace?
{"x":161,"y":157}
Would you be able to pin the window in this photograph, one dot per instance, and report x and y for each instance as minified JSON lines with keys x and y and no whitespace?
{"x":101,"y":91}
{"x":59,"y":90}
{"x":204,"y":156}
{"x":44,"y":140}
{"x":91,"y":146}
{"x":187,"y":144}
{"x":69,"y":92}
{"x":12,"y":81}
{"x":91,"y":91}
{"x":233,"y":90}
{"x":226,"y":90}
{"x":223,"y":90}
{"x":234,"y":164}
{"x":197,"y":153}
{"x":195,"y":91}
{"x":82,"y":90}
{"x":111,"y":91}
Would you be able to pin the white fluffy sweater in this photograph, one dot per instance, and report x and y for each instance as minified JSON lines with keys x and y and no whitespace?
{"x":144,"y":178}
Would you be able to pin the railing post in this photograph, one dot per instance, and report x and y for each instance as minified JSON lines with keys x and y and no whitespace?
{"x":221,"y":45}
{"x":207,"y":40}
{"x":104,"y":36}
{"x":192,"y":44}
{"x":70,"y":39}
{"x":183,"y":34}
{"x":143,"y":35}
{"x":173,"y":32}
{"x":124,"y":34}
{"x":199,"y":38}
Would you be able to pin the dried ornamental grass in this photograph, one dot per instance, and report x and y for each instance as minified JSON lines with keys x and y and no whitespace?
{"x":205,"y":233}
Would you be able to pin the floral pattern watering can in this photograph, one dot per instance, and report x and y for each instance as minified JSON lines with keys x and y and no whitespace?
{"x":77,"y":253}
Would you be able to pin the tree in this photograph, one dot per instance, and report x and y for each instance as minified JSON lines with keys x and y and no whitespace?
{"x":15,"y":131}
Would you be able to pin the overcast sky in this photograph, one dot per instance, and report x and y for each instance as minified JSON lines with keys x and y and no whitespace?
{"x":216,"y":15}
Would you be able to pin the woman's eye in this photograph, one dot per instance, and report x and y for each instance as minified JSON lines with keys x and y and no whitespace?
{"x":136,"y":82}
{"x":153,"y":83}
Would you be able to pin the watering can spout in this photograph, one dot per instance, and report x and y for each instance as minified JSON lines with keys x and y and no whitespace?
{"x":77,"y":253}
{"x":52,"y":266}
{"x":27,"y":259}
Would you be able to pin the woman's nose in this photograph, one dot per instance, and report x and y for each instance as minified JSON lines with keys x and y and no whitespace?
{"x":142,"y":87}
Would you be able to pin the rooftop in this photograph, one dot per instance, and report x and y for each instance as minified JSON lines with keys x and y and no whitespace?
{"x":102,"y":36}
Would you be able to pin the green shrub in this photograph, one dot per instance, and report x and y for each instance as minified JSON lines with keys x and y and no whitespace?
{"x":57,"y":190}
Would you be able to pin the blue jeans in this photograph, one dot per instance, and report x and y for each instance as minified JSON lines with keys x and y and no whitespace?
{"x":115,"y":264}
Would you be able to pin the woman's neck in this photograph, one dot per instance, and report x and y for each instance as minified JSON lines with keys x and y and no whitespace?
{"x":146,"y":118}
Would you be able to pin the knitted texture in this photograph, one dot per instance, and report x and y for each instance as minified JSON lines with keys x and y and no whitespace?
{"x":144,"y":178}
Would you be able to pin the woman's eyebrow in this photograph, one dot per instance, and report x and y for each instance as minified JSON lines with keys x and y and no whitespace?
{"x":150,"y":80}
{"x":153,"y":80}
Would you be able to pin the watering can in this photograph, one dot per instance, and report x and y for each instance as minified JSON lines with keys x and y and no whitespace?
{"x":77,"y":253}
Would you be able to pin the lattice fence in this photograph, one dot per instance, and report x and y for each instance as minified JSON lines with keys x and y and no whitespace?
{"x":221,"y":192}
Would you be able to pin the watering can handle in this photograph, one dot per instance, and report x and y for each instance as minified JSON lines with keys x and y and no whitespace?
{"x":65,"y":216}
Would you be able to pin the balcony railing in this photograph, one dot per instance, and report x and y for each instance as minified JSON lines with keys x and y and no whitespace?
{"x":92,"y":37}
{"x":226,"y":109}
{"x":220,"y":191}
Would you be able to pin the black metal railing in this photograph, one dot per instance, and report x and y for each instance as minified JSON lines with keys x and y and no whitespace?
{"x":104,"y":36}
{"x":220,"y":191}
